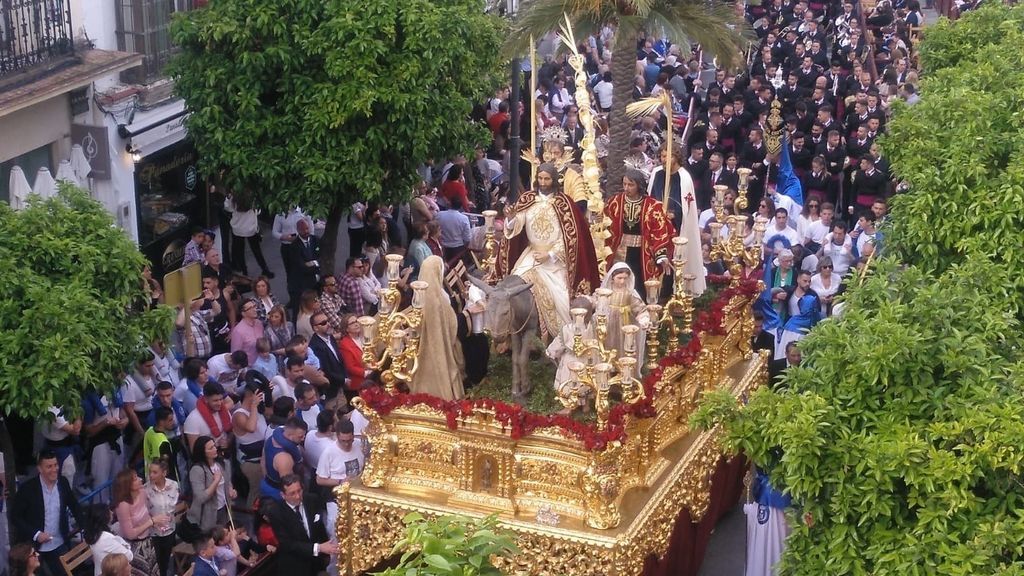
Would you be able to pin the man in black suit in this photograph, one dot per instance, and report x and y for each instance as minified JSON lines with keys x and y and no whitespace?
{"x":715,"y":175}
{"x":302,"y":264}
{"x":326,"y":349}
{"x":303,"y":543}
{"x":40,"y":511}
{"x":778,"y":367}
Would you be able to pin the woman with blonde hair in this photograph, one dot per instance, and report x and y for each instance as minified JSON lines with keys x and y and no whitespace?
{"x":115,"y":565}
{"x":441,"y":364}
{"x":278,"y":330}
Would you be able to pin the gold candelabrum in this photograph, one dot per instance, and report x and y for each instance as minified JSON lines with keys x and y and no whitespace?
{"x":489,"y":263}
{"x":593,"y":371}
{"x":680,"y":305}
{"x":654,"y":310}
{"x":391,"y":339}
{"x":727,"y":232}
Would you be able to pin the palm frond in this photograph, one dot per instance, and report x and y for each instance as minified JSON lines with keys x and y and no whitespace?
{"x":646,"y":106}
{"x":714,"y":25}
{"x":539,"y":17}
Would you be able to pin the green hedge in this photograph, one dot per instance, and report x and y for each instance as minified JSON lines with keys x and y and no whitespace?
{"x":902,"y":435}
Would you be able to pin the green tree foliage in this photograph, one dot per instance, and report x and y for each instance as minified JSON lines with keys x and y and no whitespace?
{"x":961,"y":148}
{"x":952,"y":43}
{"x":450,"y":546}
{"x":901,"y":433}
{"x":70,"y":286}
{"x":320,"y":103}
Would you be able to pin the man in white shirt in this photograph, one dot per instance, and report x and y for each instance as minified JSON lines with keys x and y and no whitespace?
{"x":340,"y":461}
{"x":61,"y":436}
{"x":307,"y":403}
{"x":838,"y":247}
{"x":137,"y":394}
{"x":815,"y":233}
{"x":603,"y":92}
{"x":284,"y":384}
{"x":781,"y":228}
{"x":209,"y":413}
{"x":227,"y":368}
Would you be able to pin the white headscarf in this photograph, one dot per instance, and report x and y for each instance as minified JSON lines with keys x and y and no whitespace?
{"x":630,"y":281}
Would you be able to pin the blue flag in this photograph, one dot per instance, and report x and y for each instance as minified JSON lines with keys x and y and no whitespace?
{"x":787,"y":183}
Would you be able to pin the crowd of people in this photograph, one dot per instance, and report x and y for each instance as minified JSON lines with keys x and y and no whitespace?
{"x":247,"y":407}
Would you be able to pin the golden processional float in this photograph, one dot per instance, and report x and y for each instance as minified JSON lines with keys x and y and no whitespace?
{"x":581,"y":498}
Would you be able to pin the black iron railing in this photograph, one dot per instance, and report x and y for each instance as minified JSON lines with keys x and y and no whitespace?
{"x":33,"y":32}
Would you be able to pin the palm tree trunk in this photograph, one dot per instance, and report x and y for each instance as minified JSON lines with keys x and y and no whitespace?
{"x":623,"y":69}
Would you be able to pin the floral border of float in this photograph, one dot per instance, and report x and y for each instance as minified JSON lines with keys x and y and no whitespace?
{"x":521,"y":422}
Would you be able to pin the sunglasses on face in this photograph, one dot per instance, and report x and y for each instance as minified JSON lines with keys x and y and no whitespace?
{"x":826,"y":266}
{"x":320,"y":323}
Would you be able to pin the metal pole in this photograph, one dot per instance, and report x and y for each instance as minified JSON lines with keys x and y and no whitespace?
{"x":515,"y":145}
{"x":533,"y":109}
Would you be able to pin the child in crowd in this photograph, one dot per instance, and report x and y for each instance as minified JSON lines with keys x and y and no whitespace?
{"x":266,"y":363}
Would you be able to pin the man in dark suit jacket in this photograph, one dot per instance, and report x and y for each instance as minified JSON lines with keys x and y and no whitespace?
{"x":303,"y":542}
{"x":716,"y":174}
{"x":50,"y":534}
{"x":204,"y":562}
{"x":778,"y":367}
{"x":869,"y":183}
{"x":302,"y":263}
{"x":326,"y":349}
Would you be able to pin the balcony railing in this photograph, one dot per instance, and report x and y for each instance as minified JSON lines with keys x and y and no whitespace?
{"x":33,"y":32}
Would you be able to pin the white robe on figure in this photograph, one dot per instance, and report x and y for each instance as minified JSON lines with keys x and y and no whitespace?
{"x":549,"y":279}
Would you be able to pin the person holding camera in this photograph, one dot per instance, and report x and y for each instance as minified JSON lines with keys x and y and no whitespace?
{"x":250,"y":428}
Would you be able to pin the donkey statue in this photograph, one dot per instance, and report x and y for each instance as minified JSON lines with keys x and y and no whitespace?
{"x":511,"y":314}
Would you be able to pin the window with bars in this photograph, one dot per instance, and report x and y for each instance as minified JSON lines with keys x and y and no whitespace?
{"x":143,"y":27}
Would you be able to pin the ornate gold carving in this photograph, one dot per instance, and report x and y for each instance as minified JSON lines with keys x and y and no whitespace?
{"x":613,"y":507}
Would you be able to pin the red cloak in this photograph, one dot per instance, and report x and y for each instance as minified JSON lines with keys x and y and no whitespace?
{"x":580,"y":256}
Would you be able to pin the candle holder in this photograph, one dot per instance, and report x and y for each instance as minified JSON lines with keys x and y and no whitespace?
{"x":730,"y":248}
{"x":391,"y":339}
{"x":629,"y":332}
{"x":654,"y":311}
{"x":680,"y":305}
{"x":489,"y":263}
{"x":394,"y":265}
{"x":598,"y":379}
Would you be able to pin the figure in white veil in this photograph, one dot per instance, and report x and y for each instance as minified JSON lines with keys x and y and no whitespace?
{"x":625,"y":306}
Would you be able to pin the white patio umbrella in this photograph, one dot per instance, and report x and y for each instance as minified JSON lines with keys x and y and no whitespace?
{"x":80,"y":164}
{"x":67,"y":173}
{"x":19,"y":188}
{"x":45,"y":185}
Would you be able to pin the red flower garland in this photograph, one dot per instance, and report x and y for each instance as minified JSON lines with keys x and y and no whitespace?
{"x":520,"y":422}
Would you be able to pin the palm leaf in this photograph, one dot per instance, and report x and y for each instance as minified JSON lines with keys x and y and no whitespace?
{"x":646,"y":106}
{"x":713,"y":25}
{"x":539,"y":17}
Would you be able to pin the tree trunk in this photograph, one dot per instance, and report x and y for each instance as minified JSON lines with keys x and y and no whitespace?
{"x":623,"y":70}
{"x":329,"y":242}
